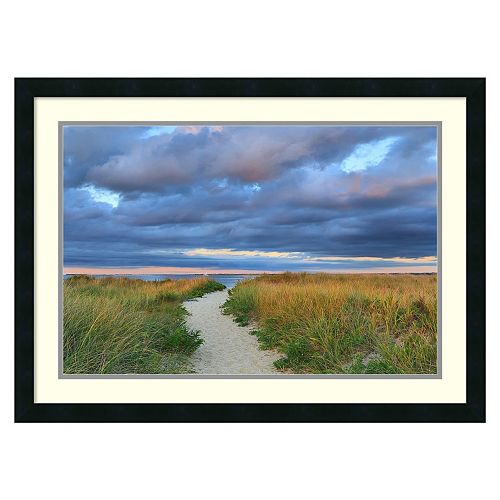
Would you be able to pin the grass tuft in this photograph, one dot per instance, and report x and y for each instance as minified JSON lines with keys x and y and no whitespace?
{"x":325,"y":323}
{"x":123,"y":325}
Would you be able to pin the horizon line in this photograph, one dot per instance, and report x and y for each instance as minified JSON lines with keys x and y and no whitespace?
{"x":195,"y":270}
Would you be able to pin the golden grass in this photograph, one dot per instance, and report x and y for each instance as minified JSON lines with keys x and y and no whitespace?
{"x":327,"y":323}
{"x":122,"y":325}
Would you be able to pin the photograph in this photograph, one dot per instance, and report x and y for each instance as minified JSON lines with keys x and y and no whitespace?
{"x":250,"y":249}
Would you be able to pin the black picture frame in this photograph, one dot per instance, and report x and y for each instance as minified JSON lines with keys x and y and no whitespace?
{"x":27,"y":89}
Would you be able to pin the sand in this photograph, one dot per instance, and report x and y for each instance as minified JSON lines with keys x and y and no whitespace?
{"x":228,"y":349}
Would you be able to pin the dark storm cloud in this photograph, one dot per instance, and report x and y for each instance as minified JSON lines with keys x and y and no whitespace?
{"x":240,"y":154}
{"x":137,"y":199}
{"x":87,"y":146}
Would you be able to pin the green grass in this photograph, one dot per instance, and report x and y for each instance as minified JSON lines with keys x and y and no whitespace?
{"x":121,"y":325}
{"x":343,"y":323}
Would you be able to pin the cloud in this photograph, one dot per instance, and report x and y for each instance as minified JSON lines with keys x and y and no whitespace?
{"x":229,"y":252}
{"x":141,"y":196}
{"x":417,"y":260}
{"x":245,"y":154}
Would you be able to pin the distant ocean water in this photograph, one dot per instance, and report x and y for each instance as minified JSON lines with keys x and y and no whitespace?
{"x":226,"y":279}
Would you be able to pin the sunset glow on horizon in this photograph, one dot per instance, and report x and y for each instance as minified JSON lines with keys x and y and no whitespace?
{"x":193,"y":270}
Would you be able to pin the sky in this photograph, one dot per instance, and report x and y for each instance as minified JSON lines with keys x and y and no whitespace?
{"x":258,"y":198}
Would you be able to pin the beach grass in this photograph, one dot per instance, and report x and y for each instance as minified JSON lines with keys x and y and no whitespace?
{"x":122,"y":325}
{"x":346,"y":323}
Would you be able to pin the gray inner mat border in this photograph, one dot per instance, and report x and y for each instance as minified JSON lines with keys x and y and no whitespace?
{"x":62,"y":124}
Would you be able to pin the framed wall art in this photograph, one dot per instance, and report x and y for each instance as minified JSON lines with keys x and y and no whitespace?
{"x":250,"y":250}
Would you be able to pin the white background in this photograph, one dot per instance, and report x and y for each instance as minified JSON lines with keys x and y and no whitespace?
{"x":258,"y":38}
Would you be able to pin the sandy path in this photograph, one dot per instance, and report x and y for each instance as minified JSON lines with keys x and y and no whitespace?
{"x":228,"y":349}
